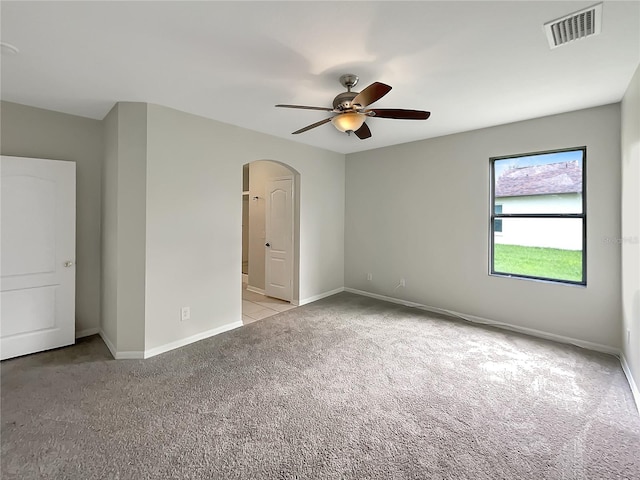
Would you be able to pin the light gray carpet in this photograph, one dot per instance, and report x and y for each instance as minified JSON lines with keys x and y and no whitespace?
{"x":344,"y":388}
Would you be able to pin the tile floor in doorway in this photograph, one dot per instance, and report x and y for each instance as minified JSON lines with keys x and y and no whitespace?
{"x":256,"y":307}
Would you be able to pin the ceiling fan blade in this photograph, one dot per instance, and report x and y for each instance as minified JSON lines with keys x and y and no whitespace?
{"x":372,"y":93}
{"x":363,"y":132}
{"x":313,"y":125}
{"x":399,"y":113}
{"x":304,"y":107}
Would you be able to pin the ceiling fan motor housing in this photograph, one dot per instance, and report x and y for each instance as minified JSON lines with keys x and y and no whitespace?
{"x":343,"y":100}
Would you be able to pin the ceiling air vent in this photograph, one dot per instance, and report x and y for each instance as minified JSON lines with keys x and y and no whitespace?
{"x":582,"y":24}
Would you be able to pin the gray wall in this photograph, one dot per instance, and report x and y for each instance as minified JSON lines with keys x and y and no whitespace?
{"x":631,"y":226}
{"x":109,"y":229}
{"x":416,"y":211}
{"x":193,"y":220}
{"x":123,"y":226}
{"x":34,"y":132}
{"x":420,"y":211}
{"x":132,"y":174}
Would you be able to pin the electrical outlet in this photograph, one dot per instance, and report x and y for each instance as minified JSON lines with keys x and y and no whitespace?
{"x":185,"y":314}
{"x":402,"y":282}
{"x":369,"y":277}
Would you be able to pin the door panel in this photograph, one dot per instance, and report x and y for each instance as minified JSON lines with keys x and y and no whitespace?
{"x":279,"y":277}
{"x":28,"y":216}
{"x":38,"y":255}
{"x":35,"y":307}
{"x":279,"y":235}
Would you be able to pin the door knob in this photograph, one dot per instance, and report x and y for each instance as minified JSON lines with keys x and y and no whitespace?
{"x":68,"y":263}
{"x":267,"y":244}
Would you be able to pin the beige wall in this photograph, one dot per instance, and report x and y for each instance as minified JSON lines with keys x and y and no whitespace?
{"x":398,"y":224}
{"x":34,"y":132}
{"x":630,"y":239}
{"x":260,"y":172}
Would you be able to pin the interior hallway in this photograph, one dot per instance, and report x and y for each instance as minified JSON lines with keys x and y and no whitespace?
{"x":256,"y":306}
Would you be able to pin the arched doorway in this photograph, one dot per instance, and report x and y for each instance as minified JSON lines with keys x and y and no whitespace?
{"x":270,"y":239}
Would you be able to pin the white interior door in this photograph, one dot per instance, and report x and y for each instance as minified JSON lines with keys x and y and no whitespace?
{"x":279,"y":238}
{"x":38,"y":221}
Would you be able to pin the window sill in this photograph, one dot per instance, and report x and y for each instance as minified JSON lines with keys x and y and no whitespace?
{"x":539,"y":280}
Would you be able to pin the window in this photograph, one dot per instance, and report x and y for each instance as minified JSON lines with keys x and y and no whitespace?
{"x":497,"y":223}
{"x":538,"y":216}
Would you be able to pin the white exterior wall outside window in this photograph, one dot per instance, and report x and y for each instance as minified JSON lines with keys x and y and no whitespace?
{"x":568,"y":232}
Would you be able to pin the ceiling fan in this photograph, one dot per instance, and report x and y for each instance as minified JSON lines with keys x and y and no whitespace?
{"x":351,"y":110}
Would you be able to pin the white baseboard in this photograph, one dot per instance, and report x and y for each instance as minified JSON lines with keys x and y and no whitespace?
{"x":406,"y":303}
{"x":152,"y":352}
{"x":318,"y":297}
{"x":108,"y":343}
{"x":630,"y":379}
{"x":130,"y":355}
{"x":87,"y":332}
{"x":485,"y":321}
{"x":255,"y":290}
{"x":299,"y":303}
{"x":120,"y":355}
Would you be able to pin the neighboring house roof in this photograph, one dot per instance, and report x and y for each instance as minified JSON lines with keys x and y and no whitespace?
{"x":564,"y":177}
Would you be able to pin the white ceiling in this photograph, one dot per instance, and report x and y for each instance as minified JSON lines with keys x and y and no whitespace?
{"x":472,"y":64}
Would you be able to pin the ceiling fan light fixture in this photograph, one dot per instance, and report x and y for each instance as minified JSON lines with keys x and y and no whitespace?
{"x":350,"y":109}
{"x":348,"y":122}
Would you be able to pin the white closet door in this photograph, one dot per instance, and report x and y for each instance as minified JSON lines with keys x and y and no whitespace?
{"x":38,"y":222}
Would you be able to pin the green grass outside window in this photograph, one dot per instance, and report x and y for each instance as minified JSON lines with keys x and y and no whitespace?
{"x":552,"y":263}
